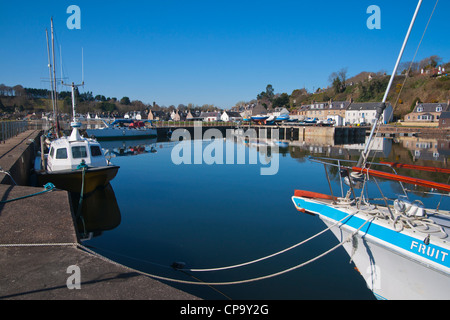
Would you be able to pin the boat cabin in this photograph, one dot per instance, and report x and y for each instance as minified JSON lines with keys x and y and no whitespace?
{"x":66,"y":154}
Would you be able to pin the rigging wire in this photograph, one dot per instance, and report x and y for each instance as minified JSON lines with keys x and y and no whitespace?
{"x":409,"y":69}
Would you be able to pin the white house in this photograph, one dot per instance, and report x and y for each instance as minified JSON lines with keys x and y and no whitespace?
{"x":230,"y":116}
{"x":366,"y":112}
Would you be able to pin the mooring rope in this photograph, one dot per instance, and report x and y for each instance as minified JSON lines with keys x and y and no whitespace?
{"x":238,"y":281}
{"x":47,"y":188}
{"x":82,"y":247}
{"x":272,"y":255}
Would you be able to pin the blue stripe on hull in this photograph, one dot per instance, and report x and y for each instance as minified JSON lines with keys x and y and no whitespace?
{"x":431,"y":252}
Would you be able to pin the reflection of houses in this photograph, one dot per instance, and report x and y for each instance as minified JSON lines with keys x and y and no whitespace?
{"x":380,"y":147}
{"x":426,"y":148}
{"x":366,"y":112}
{"x":426,"y":113}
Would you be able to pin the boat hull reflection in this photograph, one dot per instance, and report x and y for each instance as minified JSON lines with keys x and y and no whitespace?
{"x":99,"y":211}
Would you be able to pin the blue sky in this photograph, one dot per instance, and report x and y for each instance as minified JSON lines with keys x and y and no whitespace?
{"x":211,"y":52}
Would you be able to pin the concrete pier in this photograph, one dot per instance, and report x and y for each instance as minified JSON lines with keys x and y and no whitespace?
{"x":38,"y":243}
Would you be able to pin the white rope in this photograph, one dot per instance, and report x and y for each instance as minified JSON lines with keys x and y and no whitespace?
{"x":269,"y":256}
{"x":239,"y":281}
{"x":23,"y":245}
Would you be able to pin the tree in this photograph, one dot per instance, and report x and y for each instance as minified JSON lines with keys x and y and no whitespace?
{"x":281,"y":101}
{"x":430,"y":62}
{"x":338,"y":80}
{"x":125,"y":100}
{"x":269,"y":92}
{"x":99,"y":98}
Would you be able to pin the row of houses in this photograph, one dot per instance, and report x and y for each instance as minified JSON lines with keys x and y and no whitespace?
{"x":192,"y":115}
{"x":430,"y":113}
{"x":357,"y":113}
{"x":343,"y":112}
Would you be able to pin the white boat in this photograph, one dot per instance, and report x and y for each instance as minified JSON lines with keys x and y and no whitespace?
{"x":74,"y":163}
{"x":400,"y":248}
{"x":123,"y":129}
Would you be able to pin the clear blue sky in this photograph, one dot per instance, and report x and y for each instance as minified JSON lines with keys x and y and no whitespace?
{"x":211,"y":52}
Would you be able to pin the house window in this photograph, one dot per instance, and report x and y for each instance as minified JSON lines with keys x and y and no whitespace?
{"x":438,"y":109}
{"x":419,"y":109}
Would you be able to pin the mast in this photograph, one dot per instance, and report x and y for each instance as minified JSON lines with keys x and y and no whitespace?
{"x":382,"y":106}
{"x":50,"y":72}
{"x":74,"y":124}
{"x":54,"y":82}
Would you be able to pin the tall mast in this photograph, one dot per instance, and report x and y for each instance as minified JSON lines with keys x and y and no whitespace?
{"x":50,"y":73}
{"x":380,"y":109}
{"x":54,"y":82}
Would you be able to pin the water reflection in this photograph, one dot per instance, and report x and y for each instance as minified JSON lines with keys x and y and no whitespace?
{"x":120,"y":148}
{"x":219,"y":215}
{"x":99,"y":212}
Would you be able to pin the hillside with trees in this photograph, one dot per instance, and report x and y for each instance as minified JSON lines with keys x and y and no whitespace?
{"x":424,"y":81}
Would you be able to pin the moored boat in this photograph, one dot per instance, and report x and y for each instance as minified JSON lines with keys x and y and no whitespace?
{"x":74,"y":163}
{"x":400,"y":247}
{"x":123,"y":129}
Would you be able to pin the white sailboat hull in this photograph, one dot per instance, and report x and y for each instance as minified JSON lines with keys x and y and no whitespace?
{"x":395,"y":264}
{"x":390,"y":274}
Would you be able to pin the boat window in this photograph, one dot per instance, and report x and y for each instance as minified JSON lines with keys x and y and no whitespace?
{"x":61,"y":153}
{"x":52,"y":152}
{"x":79,"y":152}
{"x":96,"y":151}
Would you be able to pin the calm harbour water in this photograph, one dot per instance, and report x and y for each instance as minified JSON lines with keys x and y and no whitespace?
{"x":209,"y":216}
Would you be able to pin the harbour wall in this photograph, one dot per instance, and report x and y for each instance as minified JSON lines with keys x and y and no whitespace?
{"x":17,"y":157}
{"x":40,"y":246}
{"x":285,"y":133}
